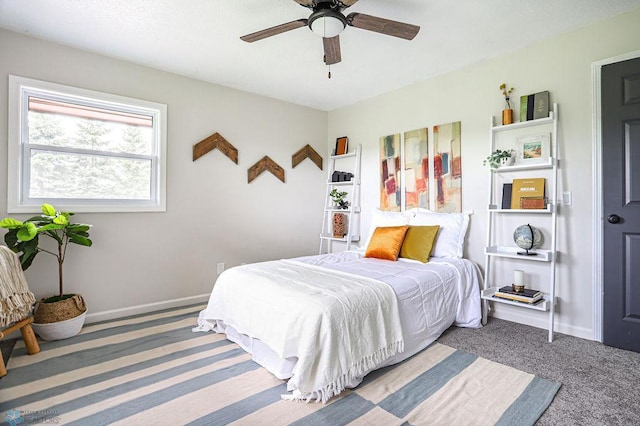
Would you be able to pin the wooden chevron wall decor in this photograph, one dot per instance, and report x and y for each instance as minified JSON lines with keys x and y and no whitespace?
{"x":306,"y":152}
{"x":212,"y":142}
{"x":267,"y":164}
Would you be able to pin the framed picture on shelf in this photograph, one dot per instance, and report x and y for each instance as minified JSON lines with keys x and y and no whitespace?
{"x":342,"y":145}
{"x":534,"y":149}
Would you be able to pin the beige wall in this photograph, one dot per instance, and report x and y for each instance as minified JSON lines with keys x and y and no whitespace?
{"x":212,"y":215}
{"x":562,"y":66}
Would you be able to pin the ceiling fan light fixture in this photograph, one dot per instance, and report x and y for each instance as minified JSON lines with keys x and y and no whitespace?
{"x":327,"y":23}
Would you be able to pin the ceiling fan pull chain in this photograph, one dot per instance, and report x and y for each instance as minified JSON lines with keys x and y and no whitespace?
{"x":329,"y":71}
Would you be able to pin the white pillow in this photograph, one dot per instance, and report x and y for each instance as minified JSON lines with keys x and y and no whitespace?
{"x":453,"y":229}
{"x":381,"y":218}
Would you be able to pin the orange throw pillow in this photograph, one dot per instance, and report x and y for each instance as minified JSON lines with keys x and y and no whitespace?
{"x":386,"y":242}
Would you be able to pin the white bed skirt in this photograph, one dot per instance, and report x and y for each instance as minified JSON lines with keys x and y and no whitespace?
{"x":283,"y":368}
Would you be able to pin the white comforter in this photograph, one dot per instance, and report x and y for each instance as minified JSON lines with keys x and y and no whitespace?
{"x":430,"y":298}
{"x":339,"y":325}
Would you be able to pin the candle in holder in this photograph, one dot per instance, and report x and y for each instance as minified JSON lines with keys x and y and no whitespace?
{"x":518,"y":280}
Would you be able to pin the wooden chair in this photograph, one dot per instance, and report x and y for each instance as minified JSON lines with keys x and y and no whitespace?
{"x":28,"y":336}
{"x":16,"y":302}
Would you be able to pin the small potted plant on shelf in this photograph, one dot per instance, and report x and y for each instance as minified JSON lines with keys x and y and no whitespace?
{"x":60,"y":316}
{"x":499,"y":157}
{"x":338,"y":198}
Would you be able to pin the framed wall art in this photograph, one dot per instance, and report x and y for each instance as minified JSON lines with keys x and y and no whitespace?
{"x":534,"y":149}
{"x":416,"y":169}
{"x":447,"y":167}
{"x":390,"y":175}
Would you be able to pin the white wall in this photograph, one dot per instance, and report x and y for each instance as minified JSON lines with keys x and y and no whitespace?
{"x":562,"y":66}
{"x":213,"y":215}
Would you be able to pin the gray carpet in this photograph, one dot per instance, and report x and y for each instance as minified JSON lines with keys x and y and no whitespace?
{"x":600,"y":384}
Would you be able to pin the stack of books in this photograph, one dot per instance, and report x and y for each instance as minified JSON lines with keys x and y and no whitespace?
{"x":526,"y":296}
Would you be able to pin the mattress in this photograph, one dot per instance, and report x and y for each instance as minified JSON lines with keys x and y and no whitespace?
{"x":431,"y":297}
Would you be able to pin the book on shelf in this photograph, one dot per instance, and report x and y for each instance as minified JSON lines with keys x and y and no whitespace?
{"x":506,"y":195}
{"x":526,"y":296}
{"x":524,"y":302}
{"x":534,"y":106}
{"x":526,"y":188}
{"x":523,"y":107}
{"x":530,"y":107}
{"x":528,"y":292}
{"x":507,"y":296}
{"x":541,"y":105}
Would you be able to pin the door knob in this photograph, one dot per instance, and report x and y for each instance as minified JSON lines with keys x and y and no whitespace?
{"x":614,"y":218}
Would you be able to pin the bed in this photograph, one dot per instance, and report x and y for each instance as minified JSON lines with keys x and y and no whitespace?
{"x":323,"y":322}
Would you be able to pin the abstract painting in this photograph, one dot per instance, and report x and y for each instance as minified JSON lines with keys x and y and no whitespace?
{"x":390,"y":172}
{"x":416,"y":169}
{"x":447,"y":167}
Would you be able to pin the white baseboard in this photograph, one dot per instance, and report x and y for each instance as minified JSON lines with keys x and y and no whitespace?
{"x":143,"y":309}
{"x":583,"y":333}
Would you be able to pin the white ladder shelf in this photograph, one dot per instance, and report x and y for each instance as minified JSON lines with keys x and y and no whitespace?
{"x":352,"y":187}
{"x":494,"y":251}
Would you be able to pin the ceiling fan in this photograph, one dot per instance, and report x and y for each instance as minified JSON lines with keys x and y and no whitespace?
{"x":328,"y":21}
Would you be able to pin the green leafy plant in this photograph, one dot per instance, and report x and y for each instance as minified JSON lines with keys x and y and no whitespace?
{"x":338,"y":198}
{"x":24,"y":237}
{"x":495,"y":159}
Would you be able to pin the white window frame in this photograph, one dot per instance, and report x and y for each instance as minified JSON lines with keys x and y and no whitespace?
{"x":18,"y":156}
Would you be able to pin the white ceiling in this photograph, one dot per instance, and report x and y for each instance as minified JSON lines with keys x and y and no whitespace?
{"x":200,"y":39}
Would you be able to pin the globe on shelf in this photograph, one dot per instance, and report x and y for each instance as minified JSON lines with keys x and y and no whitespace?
{"x":527,"y":238}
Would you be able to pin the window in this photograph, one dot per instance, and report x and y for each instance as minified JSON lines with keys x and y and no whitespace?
{"x":84,"y":151}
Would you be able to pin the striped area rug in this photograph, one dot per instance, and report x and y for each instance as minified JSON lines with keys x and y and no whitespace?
{"x":151,"y":369}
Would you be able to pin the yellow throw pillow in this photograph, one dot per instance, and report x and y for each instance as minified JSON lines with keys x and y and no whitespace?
{"x":386,"y":242}
{"x":418,"y":242}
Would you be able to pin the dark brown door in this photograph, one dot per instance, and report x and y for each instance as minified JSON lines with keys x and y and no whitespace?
{"x":621,"y":203}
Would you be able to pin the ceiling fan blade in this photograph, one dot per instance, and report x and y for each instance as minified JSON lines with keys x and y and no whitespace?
{"x":383,"y":26}
{"x":331,"y":50}
{"x":307,"y":3}
{"x":346,"y":3}
{"x":278,"y":29}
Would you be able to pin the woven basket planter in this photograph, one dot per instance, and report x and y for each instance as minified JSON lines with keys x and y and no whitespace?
{"x":45,"y":313}
{"x":60,"y":330}
{"x":59,"y":320}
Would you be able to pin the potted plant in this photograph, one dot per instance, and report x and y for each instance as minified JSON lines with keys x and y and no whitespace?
{"x":499,"y":157}
{"x":338,"y":198}
{"x":62,"y":315}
